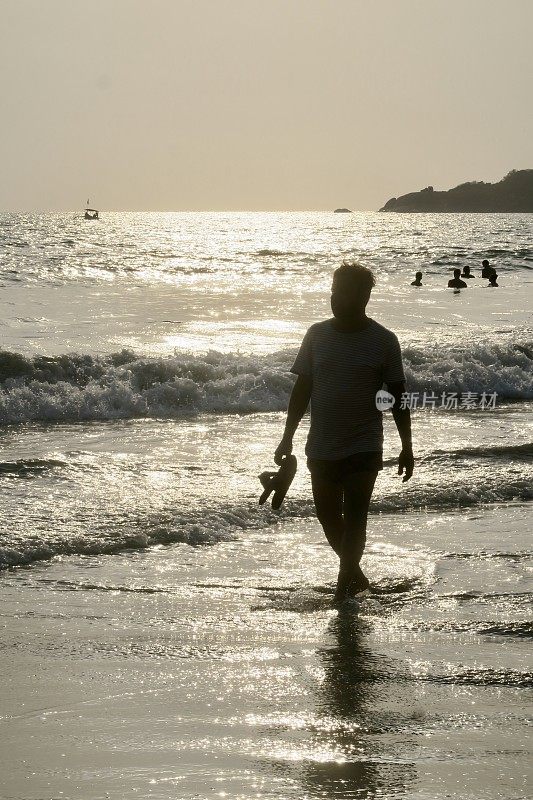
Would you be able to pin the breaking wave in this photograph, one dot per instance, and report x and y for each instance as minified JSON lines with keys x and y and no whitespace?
{"x":208,"y":525}
{"x":73,"y":386}
{"x":503,"y":368}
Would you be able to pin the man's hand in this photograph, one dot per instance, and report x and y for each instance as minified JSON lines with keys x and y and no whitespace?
{"x":284,"y":448}
{"x":406,"y":462}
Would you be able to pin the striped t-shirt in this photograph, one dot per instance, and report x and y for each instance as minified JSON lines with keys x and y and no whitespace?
{"x":347,"y":369}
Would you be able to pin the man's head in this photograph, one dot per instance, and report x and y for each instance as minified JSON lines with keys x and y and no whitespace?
{"x":457,"y":273}
{"x":418,"y":276}
{"x":484,"y":263}
{"x":350,"y":291}
{"x":466,"y":269}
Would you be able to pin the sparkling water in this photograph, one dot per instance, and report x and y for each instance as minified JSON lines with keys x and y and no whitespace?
{"x":144,"y":372}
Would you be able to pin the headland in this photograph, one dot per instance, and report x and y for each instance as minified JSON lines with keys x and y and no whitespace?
{"x":514,"y":193}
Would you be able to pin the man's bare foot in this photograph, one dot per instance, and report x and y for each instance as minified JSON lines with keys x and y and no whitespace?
{"x":350,"y":584}
{"x":356,"y":587}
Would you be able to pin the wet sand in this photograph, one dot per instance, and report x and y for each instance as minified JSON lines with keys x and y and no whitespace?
{"x":223,"y":671}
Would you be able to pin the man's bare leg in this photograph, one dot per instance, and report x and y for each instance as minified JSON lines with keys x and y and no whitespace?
{"x":357,"y":491}
{"x":342,"y":510}
{"x":328,"y":503}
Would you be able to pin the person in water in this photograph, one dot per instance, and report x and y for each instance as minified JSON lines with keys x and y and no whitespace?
{"x":487,"y":270}
{"x":341,"y":364}
{"x":466,"y":272}
{"x":418,"y":280}
{"x":456,"y":282}
{"x":492,"y":279}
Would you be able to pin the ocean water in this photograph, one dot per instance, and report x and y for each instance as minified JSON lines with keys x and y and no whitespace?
{"x":143,"y":382}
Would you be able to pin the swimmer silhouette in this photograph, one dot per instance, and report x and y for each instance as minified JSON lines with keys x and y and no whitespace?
{"x":456,"y":282}
{"x":418,"y":280}
{"x":492,"y":280}
{"x":467,"y":273}
{"x":487,"y":270}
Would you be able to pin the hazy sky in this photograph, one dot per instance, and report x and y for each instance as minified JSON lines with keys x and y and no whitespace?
{"x":241,"y":104}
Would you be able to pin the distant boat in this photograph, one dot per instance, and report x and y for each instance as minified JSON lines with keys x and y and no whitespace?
{"x":91,"y":213}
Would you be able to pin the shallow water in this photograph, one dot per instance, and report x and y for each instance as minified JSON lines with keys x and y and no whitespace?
{"x":162,"y":635}
{"x":224,"y":671}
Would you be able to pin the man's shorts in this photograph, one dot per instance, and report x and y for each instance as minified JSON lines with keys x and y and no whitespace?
{"x":337,"y":470}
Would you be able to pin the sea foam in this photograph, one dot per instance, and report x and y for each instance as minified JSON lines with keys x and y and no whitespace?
{"x":125,"y":385}
{"x":209,"y":524}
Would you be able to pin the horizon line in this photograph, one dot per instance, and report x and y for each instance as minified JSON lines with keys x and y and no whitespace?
{"x":186,"y":210}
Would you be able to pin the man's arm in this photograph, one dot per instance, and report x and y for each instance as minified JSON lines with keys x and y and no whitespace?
{"x":402,"y":418}
{"x":299,"y":400}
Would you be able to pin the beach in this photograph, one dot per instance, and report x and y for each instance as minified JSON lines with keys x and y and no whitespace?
{"x":224,"y":671}
{"x":162,"y":635}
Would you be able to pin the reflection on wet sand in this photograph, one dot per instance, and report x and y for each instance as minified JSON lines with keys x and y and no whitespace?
{"x":355,"y":755}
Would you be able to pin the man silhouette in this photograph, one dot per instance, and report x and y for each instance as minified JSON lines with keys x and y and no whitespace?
{"x":456,"y":282}
{"x":418,"y":280}
{"x":466,"y":272}
{"x":341,"y":364}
